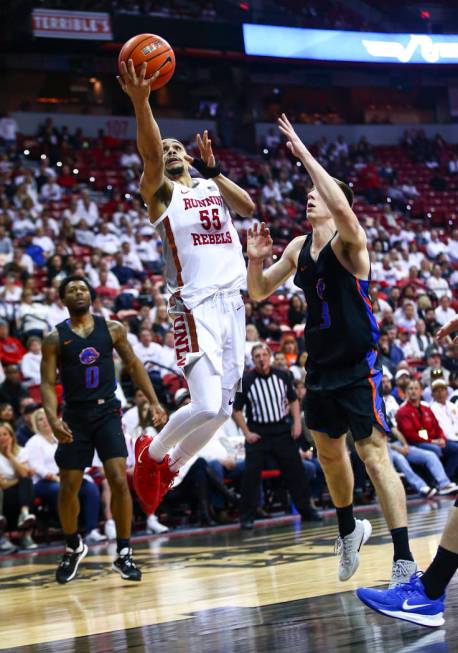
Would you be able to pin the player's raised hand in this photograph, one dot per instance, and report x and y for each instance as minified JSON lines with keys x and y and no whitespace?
{"x":205,"y":148}
{"x":259,"y":242}
{"x":447,"y":328}
{"x":133,"y":83}
{"x":62,"y":431}
{"x":294,"y":143}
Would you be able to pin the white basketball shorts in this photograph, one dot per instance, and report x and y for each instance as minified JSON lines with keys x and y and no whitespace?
{"x":216,"y":328}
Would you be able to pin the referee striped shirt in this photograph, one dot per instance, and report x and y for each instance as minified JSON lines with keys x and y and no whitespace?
{"x":266,"y":399}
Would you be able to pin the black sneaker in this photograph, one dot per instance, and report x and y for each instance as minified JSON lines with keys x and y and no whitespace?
{"x":126,"y":567}
{"x":68,"y":566}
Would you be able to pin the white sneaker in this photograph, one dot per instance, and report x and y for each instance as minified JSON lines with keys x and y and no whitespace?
{"x":95,"y":537}
{"x":348,"y":548}
{"x":401,"y":572}
{"x":153,"y":525}
{"x":449,"y":489}
{"x":110,"y":529}
{"x":428,"y":492}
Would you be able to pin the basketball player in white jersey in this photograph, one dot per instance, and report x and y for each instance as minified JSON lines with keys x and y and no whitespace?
{"x":205,"y":270}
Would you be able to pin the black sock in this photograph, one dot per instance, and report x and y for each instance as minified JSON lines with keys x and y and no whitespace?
{"x":400,"y":539}
{"x":122,"y":544}
{"x":72,"y":541}
{"x":345,"y":520}
{"x":439,"y":573}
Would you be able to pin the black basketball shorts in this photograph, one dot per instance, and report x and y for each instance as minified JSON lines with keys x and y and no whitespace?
{"x":95,"y":427}
{"x":357,"y":407}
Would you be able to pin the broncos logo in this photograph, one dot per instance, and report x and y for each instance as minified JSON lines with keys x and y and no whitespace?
{"x":89,"y":355}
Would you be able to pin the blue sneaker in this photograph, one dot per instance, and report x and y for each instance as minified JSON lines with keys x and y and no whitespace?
{"x":407,"y":602}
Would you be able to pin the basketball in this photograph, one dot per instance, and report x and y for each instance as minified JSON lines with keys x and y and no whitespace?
{"x":155,"y":51}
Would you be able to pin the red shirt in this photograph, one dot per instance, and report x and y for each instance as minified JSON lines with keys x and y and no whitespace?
{"x":11,"y":351}
{"x":412,"y":419}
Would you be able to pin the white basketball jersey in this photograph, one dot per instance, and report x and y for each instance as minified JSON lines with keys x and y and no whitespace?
{"x":202,"y":250}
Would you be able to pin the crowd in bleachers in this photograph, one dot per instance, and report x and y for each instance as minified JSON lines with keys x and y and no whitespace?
{"x":70,"y":205}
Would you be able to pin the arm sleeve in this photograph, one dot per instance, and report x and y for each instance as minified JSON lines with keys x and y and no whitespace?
{"x":290,"y":390}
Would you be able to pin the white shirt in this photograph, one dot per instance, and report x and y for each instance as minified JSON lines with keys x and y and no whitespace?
{"x":30,"y":367}
{"x":443,"y":316}
{"x":130,"y":422}
{"x":7,"y":469}
{"x":151,"y":353}
{"x":8,"y":129}
{"x":90,"y":214}
{"x":108,"y":243}
{"x":132,"y":260}
{"x":51,"y":192}
{"x":56,"y":314}
{"x":435,"y":247}
{"x":447,"y":416}
{"x":129,"y":159}
{"x":46,"y":244}
{"x":439,"y":286}
{"x":41,"y":452}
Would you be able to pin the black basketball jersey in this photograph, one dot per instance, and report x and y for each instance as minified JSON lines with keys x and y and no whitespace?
{"x":86,"y":364}
{"x":340,"y":330}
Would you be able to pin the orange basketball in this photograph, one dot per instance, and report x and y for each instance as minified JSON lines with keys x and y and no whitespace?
{"x":155,"y":51}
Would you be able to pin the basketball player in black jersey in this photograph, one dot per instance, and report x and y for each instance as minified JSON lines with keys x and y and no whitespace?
{"x":343,"y":377}
{"x":81,"y":348}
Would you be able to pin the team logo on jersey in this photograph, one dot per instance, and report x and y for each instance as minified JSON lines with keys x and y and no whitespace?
{"x":320,"y":288}
{"x":89,"y":355}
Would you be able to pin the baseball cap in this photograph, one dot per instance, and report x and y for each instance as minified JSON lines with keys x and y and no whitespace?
{"x":401,"y":373}
{"x":439,"y":383}
{"x":180,"y":395}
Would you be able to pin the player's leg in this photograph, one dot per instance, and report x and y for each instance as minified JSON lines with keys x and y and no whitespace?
{"x":69,"y":503}
{"x":121,"y":508}
{"x":206,"y":400}
{"x":254,"y":460}
{"x":69,"y":508}
{"x":337,"y":469}
{"x":422,"y":599}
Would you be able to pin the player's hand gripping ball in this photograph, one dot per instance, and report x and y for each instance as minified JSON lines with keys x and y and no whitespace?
{"x":155,"y":52}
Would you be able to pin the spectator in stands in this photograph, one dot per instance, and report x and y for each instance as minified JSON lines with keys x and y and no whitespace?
{"x":437,"y":283}
{"x":40,"y":450}
{"x":296,"y":310}
{"x":25,"y":430}
{"x":31,"y":361}
{"x":289,"y":349}
{"x":409,"y":190}
{"x":404,"y":455}
{"x":147,"y":350}
{"x":31,"y":317}
{"x":8,"y":130}
{"x":16,"y":485}
{"x":434,"y":246}
{"x":12,"y":390}
{"x":444,"y":312}
{"x":420,"y":340}
{"x":434,"y":363}
{"x":266,"y":324}
{"x":105,"y":241}
{"x":419,"y":426}
{"x":390,"y":354}
{"x":130,"y":157}
{"x":87,"y":209}
{"x":444,"y":410}
{"x":162,"y":322}
{"x":406,"y":317}
{"x":11,"y":350}
{"x":7,"y":414}
{"x":402,"y":379}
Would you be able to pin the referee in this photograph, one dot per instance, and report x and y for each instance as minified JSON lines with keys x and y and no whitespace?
{"x":269,"y":396}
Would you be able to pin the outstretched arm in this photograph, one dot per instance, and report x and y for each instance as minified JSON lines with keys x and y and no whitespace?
{"x":50,"y":353}
{"x":136,"y":370}
{"x":235,"y":197}
{"x":262,"y":283}
{"x":149,"y":141}
{"x":350,"y":231}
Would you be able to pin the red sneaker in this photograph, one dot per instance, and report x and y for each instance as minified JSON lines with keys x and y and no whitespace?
{"x":146,"y":475}
{"x":167,"y":476}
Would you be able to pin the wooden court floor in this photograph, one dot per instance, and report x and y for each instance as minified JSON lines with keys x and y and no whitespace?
{"x":271,"y":590}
